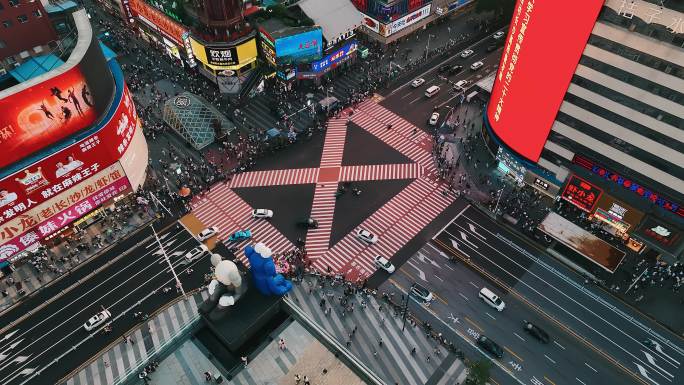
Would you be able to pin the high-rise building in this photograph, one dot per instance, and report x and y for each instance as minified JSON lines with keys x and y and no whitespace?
{"x":596,"y":98}
{"x":26,"y":30}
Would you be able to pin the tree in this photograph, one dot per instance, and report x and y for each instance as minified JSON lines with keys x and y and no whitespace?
{"x":478,"y":372}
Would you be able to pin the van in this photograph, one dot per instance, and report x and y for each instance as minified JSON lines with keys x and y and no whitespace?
{"x":491,"y":299}
{"x":431,"y":91}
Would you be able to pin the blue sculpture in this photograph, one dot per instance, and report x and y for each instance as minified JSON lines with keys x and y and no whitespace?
{"x":266,"y":280}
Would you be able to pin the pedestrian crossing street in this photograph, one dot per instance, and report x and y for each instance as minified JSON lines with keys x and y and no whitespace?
{"x":373,"y":118}
{"x":380,"y":172}
{"x":223,"y":208}
{"x":115,"y":365}
{"x":392,"y":361}
{"x":333,"y":147}
{"x":274,"y":178}
{"x":395,"y":223}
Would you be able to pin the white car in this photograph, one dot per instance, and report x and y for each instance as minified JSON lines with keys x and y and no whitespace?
{"x":417,"y":83}
{"x":262,"y":213}
{"x":384,"y":264}
{"x":498,"y":35}
{"x":461,"y":84}
{"x":207,"y":233}
{"x":434,"y":118}
{"x":467,"y":53}
{"x":476,"y":66}
{"x":196,"y":253}
{"x":421,"y":292}
{"x":97,"y":320}
{"x":366,"y":236}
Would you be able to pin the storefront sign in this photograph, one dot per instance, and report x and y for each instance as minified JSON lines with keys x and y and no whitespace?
{"x":158,"y":19}
{"x":660,"y":233}
{"x":630,"y":185}
{"x":44,"y":115}
{"x":542,"y":184}
{"x":581,"y":193}
{"x":221,"y":56}
{"x":523,"y":75}
{"x":269,"y":52}
{"x":188,"y":50}
{"x":50,"y":176}
{"x":458,"y":4}
{"x":125,"y":4}
{"x":407,"y":20}
{"x":371,"y":23}
{"x":224,"y":56}
{"x":335,"y":58}
{"x":63,"y":218}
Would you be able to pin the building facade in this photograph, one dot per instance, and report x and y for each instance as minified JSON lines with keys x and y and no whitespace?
{"x":25,"y":31}
{"x":606,"y":119}
{"x":90,"y":151}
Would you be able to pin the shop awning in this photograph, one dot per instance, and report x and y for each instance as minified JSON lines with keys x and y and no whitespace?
{"x":336,"y":17}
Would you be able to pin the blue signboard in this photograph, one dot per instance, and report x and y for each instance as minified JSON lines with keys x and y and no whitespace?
{"x":337,"y":56}
{"x":300,"y":47}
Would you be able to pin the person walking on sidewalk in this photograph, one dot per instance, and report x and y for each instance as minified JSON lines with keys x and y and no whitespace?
{"x":281,"y":344}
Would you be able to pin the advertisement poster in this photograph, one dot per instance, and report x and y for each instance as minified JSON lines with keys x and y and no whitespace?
{"x":221,"y":56}
{"x":661,"y":233}
{"x":43,"y":180}
{"x":300,"y":47}
{"x":407,"y":20}
{"x":527,"y":92}
{"x":581,"y":193}
{"x":44,"y":114}
{"x":157,"y":18}
{"x":371,"y":24}
{"x":338,"y":56}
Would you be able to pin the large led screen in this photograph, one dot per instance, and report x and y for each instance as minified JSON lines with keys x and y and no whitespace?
{"x":300,"y":47}
{"x":543,"y":46}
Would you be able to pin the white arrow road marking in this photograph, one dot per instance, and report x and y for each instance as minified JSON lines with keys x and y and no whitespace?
{"x":423,"y":258}
{"x":27,"y":371}
{"x":154,"y":243}
{"x":3,"y":356}
{"x":465,"y":238}
{"x":659,"y":349}
{"x":650,"y":359}
{"x":9,"y":335}
{"x":473,"y":229}
{"x":454,"y":244}
{"x":14,"y":344}
{"x":21,"y":359}
{"x":421,"y":274}
{"x":644,"y":373}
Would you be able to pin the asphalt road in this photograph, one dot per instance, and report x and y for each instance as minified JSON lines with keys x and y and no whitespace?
{"x":50,"y":341}
{"x":601,"y":338}
{"x":412,"y":104}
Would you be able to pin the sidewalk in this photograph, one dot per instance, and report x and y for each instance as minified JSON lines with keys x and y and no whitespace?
{"x":392,"y":360}
{"x":32,"y":280}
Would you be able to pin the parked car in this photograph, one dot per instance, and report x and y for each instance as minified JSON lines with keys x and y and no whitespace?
{"x":476,"y":66}
{"x":366,"y":236}
{"x":492,"y":347}
{"x":207,"y":233}
{"x":467,"y":53}
{"x":443,"y":68}
{"x":498,"y":35}
{"x":536,"y":332}
{"x":419,"y":291}
{"x":384,"y":264}
{"x":262,"y":213}
{"x":195,"y":253}
{"x":434,"y":118}
{"x":308,"y":223}
{"x":97,"y":320}
{"x":417,"y":82}
{"x":240,"y":235}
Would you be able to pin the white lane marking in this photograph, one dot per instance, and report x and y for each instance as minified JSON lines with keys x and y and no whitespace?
{"x":490,"y":316}
{"x":559,"y":345}
{"x":437,"y":276}
{"x":415,"y":100}
{"x":596,"y":371}
{"x":449,"y":267}
{"x":473,"y":230}
{"x":580,"y":381}
{"x":521,"y":339}
{"x":421,"y":274}
{"x":549,"y":358}
{"x":447,"y":225}
{"x":473,"y":285}
{"x":407,"y":95}
{"x":464,"y":297}
{"x":546,"y":298}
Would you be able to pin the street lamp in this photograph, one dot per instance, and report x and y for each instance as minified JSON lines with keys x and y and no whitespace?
{"x":427,"y":48}
{"x":496,"y":208}
{"x":408,"y":296}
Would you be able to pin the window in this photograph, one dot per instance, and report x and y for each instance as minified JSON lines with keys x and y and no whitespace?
{"x":7,"y":23}
{"x":13,"y":3}
{"x":24,"y":54}
{"x":37,"y":13}
{"x":38,"y":49}
{"x":22,"y":18}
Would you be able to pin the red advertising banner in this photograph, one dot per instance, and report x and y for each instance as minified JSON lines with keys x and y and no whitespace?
{"x":529,"y":89}
{"x":51,"y":176}
{"x":581,"y":193}
{"x":44,"y":114}
{"x":63,"y":218}
{"x":164,"y":23}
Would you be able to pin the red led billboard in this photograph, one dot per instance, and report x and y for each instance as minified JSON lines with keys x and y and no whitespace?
{"x":543,"y":46}
{"x":44,"y":114}
{"x":54,"y":174}
{"x":581,"y":193}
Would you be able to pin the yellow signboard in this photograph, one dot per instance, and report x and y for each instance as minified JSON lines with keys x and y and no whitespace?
{"x":225,"y":56}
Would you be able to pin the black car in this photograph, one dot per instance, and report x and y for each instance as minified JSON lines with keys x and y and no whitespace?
{"x":490,"y":346}
{"x":492,"y":47}
{"x":536,"y":332}
{"x":308,"y":222}
{"x":444,"y":68}
{"x":453,"y":70}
